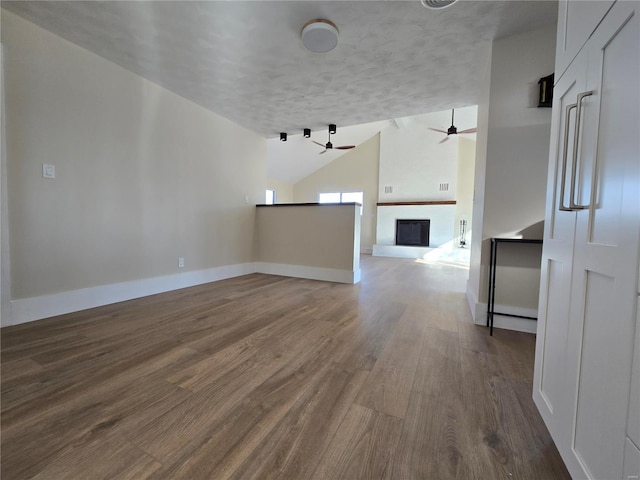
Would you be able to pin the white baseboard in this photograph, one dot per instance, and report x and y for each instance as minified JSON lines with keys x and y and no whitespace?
{"x":506,"y":322}
{"x":472,"y":300}
{"x":35,"y":308}
{"x":313,"y":273}
{"x":400,"y":251}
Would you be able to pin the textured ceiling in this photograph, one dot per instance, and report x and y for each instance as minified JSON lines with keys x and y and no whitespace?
{"x":245,"y":60}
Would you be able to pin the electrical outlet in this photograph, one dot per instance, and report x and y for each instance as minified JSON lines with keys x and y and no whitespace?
{"x":48,"y":170}
{"x":180,"y":262}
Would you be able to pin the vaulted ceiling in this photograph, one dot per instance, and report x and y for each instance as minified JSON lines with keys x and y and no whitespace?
{"x":245,"y":60}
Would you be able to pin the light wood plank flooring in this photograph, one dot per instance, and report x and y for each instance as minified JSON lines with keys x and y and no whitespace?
{"x":263,"y":377}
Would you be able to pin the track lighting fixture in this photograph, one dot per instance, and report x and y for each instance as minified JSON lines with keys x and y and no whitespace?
{"x":283,"y":137}
{"x":332,"y":129}
{"x":307,"y":133}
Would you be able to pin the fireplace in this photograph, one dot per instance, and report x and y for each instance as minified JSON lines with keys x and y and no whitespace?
{"x":414,"y":233}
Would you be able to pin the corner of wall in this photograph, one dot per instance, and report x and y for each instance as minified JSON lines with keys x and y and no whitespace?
{"x":5,"y":267}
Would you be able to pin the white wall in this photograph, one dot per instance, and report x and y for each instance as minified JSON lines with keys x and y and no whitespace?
{"x":479,"y":180}
{"x":511,"y":166}
{"x":355,"y":171}
{"x":464,"y":186}
{"x":441,"y":217}
{"x":142,"y":176}
{"x":284,"y":190}
{"x":414,"y":162}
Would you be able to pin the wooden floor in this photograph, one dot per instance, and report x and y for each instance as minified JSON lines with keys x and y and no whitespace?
{"x":272,"y":377}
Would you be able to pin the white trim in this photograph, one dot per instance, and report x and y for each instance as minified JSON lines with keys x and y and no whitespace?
{"x":508,"y":323}
{"x":313,"y":273}
{"x":5,"y":266}
{"x":472,"y":301}
{"x":400,"y":251}
{"x":35,"y":308}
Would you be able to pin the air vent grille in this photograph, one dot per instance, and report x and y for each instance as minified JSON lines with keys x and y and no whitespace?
{"x":437,"y":4}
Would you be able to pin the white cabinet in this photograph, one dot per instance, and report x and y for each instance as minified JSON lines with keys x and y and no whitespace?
{"x":633,"y":422}
{"x":557,"y":254}
{"x":588,"y":295}
{"x":577,"y":19}
{"x":631,"y":462}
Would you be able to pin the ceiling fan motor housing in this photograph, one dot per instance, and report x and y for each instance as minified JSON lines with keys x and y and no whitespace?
{"x":452,"y":130}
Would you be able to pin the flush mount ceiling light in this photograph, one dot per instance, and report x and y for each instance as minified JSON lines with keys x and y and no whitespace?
{"x":437,"y":4}
{"x":319,"y":36}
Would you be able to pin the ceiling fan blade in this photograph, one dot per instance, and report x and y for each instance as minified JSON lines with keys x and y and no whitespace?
{"x":323,"y":151}
{"x":469,"y":130}
{"x":318,"y":143}
{"x":345,"y":147}
{"x":439,"y":131}
{"x":444,"y":139}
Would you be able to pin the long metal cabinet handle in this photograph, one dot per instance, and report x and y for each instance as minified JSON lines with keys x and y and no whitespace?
{"x":576,"y":143}
{"x":564,"y":157}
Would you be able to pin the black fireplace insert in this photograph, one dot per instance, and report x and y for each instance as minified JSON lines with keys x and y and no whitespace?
{"x":414,"y":233}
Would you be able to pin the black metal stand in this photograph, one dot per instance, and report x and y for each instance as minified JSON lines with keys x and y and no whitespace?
{"x":493,"y":258}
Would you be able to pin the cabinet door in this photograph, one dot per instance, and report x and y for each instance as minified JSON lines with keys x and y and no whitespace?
{"x":557,"y":255}
{"x":602,"y":315}
{"x":633,"y":420}
{"x":577,"y":19}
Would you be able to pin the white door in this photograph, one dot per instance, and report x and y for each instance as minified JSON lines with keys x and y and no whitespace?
{"x":602,"y":315}
{"x":577,"y":19}
{"x":557,"y":253}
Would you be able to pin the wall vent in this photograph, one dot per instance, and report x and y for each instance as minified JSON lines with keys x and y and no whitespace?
{"x":388,"y":189}
{"x":444,"y":187}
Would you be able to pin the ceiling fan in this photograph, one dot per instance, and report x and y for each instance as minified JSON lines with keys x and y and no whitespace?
{"x":329,"y":145}
{"x":452,"y":130}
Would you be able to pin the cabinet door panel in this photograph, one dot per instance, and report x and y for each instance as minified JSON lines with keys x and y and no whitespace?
{"x":631,"y":462}
{"x":633,"y":422}
{"x":555,"y":335}
{"x":577,"y":19}
{"x":614,"y":64}
{"x":557,"y":254}
{"x":597,"y":383}
{"x":602,"y":316}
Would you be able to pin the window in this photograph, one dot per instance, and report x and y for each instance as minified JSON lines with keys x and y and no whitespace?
{"x":270,"y":197}
{"x":352,"y":197}
{"x":329,"y":197}
{"x":342,"y":197}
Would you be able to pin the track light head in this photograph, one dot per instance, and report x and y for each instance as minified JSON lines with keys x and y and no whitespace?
{"x":332,"y":128}
{"x":307,"y":133}
{"x":283,"y":137}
